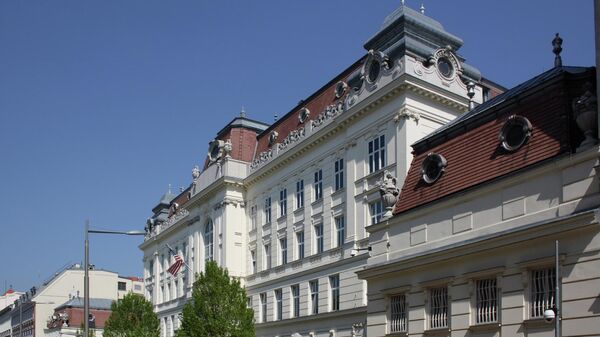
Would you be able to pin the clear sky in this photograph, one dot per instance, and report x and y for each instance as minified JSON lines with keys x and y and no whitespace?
{"x":105,"y":103}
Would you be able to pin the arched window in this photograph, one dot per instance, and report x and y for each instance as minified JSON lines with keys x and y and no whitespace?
{"x":208,"y":241}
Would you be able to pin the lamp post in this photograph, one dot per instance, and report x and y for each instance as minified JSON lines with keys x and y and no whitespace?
{"x":86,"y":275}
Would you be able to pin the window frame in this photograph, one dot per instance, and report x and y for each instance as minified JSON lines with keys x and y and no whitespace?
{"x":295,"y":295}
{"x":267,"y":256}
{"x":376,"y":153}
{"x":319,"y":238}
{"x":549,"y":296}
{"x":339,"y":174}
{"x":283,"y":254}
{"x":300,"y":194}
{"x":263,"y":307}
{"x":209,"y":237}
{"x":340,"y":231}
{"x":374,"y":216}
{"x":278,"y":314}
{"x":253,"y":213}
{"x":334,"y":292}
{"x":401,"y":321}
{"x":300,"y":245}
{"x":267,"y":210}
{"x":283,"y":202}
{"x":313,"y":288}
{"x":318,"y":185}
{"x":443,"y":310}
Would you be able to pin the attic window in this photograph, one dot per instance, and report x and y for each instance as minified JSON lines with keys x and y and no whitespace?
{"x":433,"y":167}
{"x":515,"y":133}
{"x":373,"y":71}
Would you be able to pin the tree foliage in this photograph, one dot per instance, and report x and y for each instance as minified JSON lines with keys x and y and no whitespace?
{"x":218,"y":307}
{"x":132,"y":316}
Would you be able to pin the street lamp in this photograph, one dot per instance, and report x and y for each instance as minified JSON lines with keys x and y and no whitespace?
{"x":86,"y":275}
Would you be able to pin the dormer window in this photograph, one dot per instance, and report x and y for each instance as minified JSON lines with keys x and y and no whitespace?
{"x":432,"y":168}
{"x":445,"y":67}
{"x":515,"y":133}
{"x":373,"y":71}
{"x":373,"y":65}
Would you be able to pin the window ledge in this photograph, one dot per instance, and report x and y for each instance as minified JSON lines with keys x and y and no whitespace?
{"x":299,"y":210}
{"x":537,"y":323}
{"x":437,"y":332}
{"x":485,"y":326}
{"x":397,"y":334}
{"x":316,"y":202}
{"x":338,"y":191}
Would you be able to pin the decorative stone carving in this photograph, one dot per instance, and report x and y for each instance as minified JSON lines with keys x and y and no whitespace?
{"x":376,"y":62}
{"x":340,"y":89}
{"x":406,"y":113}
{"x":217,"y":149}
{"x":293,"y":137}
{"x":331,"y":111}
{"x":389,"y":193}
{"x":227,"y":148}
{"x":181,"y":213}
{"x":585,"y":113}
{"x":303,"y":115}
{"x":273,"y":137}
{"x":196,"y":172}
{"x":263,"y":157}
{"x":446,"y":63}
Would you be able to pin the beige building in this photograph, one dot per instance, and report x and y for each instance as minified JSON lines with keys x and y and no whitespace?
{"x":34,"y":309}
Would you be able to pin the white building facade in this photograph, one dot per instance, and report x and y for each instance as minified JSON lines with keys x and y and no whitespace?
{"x":285,"y":206}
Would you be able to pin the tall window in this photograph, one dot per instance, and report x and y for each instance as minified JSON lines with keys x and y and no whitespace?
{"x":253,"y":217}
{"x":267,"y":261}
{"x":376,"y":210}
{"x":268,"y":210}
{"x":263,"y":307}
{"x":398,"y":313}
{"x":334,"y":286}
{"x":314,"y":296}
{"x":253,"y":260}
{"x":208,"y":241}
{"x":486,"y":301}
{"x":299,"y":194}
{"x":278,"y":304}
{"x":283,"y":250}
{"x":339,"y":174}
{"x":295,"y":290}
{"x":283,"y":202}
{"x":340,"y":231}
{"x":300,"y":241}
{"x":377,"y":154}
{"x":318,"y":185}
{"x":438,"y":307}
{"x":319,"y":242}
{"x":543,"y":282}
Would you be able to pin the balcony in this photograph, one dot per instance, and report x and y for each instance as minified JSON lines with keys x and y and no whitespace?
{"x":229,"y":169}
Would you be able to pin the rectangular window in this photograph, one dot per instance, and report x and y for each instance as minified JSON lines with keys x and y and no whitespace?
{"x":486,"y":301}
{"x":278,"y":304}
{"x":299,"y":194}
{"x":543,"y":282}
{"x":318,"y":185}
{"x":267,"y":261}
{"x":398,"y":313}
{"x":249,"y":302}
{"x":340,"y":230}
{"x":283,"y":202}
{"x":176,"y":289}
{"x":268,"y":210}
{"x":253,"y":260}
{"x":300,"y":241}
{"x":283,"y":250}
{"x":334,"y":285}
{"x":253,"y":217}
{"x":376,"y":210}
{"x":263,"y":307}
{"x":319,"y":241}
{"x":295,"y":290}
{"x":377,"y":154}
{"x":122,"y":286}
{"x":438,"y":308}
{"x":314,"y":297}
{"x":339,"y":174}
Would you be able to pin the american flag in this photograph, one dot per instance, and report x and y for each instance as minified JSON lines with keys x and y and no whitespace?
{"x":175,"y":267}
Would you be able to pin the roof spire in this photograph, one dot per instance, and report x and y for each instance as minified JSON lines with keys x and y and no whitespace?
{"x":557,"y":48}
{"x":422,"y":8}
{"x":402,"y":3}
{"x":169,"y":191}
{"x":243,"y":112}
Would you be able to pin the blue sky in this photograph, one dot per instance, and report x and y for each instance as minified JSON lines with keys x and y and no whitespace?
{"x":105,"y":103}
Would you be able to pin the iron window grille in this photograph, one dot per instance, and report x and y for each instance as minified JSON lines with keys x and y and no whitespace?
{"x":543,"y":296}
{"x":438,"y":308}
{"x":486,"y":309}
{"x":398,"y":321}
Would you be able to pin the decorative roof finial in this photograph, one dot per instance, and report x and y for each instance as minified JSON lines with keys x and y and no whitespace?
{"x":557,"y":48}
{"x":276,"y":117}
{"x":170,"y":189}
{"x":422,"y":8}
{"x":471,"y":94}
{"x":402,"y":3}
{"x":243,"y":112}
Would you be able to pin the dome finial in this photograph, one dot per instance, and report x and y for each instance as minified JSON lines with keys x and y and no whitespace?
{"x":422,"y":8}
{"x":402,"y":3}
{"x":169,"y":191}
{"x":243,"y":112}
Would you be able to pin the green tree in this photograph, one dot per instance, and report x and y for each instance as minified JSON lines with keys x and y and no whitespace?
{"x":218,"y":307}
{"x":132,"y":316}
